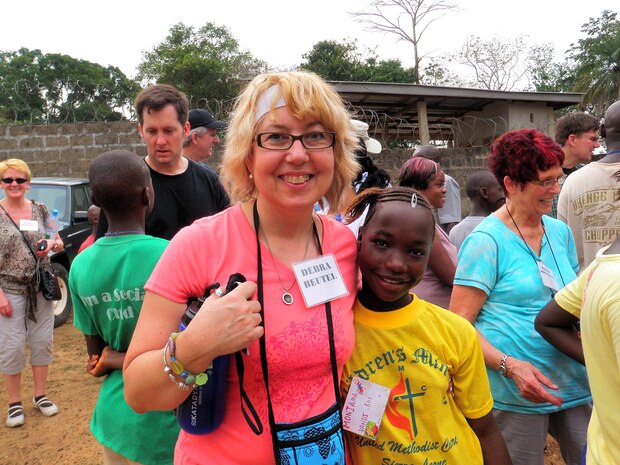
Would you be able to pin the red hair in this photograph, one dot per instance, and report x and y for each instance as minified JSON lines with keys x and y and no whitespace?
{"x":520,"y":154}
{"x":417,"y":173}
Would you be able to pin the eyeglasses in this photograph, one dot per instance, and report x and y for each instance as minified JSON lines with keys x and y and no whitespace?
{"x":282,"y":141}
{"x":17,"y":180}
{"x":549,"y":183}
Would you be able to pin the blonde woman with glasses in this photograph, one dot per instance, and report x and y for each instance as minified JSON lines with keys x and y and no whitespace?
{"x":290,"y":142}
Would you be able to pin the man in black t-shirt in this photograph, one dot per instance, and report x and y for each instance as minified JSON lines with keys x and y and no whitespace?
{"x":184,"y":190}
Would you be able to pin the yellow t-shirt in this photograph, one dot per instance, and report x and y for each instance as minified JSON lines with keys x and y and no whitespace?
{"x":594,"y":297}
{"x":417,"y":351}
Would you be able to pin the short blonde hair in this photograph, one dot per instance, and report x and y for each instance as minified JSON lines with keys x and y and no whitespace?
{"x":305,"y":94}
{"x":16,"y":164}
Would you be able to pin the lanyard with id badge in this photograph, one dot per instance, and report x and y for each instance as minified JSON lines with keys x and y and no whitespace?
{"x":318,"y":439}
{"x":546,"y":273}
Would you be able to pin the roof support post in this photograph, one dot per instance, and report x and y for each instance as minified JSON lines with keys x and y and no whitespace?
{"x":550,"y":123}
{"x":425,"y":137}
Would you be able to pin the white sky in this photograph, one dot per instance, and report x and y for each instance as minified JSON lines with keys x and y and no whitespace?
{"x":116,"y":32}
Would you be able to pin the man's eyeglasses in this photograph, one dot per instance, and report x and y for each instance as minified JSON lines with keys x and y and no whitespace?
{"x":17,"y":180}
{"x":549,"y":183}
{"x":283,"y":141}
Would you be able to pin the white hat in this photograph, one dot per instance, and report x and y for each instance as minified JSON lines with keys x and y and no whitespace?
{"x":373,"y":146}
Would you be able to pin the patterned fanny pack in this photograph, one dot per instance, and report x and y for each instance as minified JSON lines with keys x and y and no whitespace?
{"x":317,"y":440}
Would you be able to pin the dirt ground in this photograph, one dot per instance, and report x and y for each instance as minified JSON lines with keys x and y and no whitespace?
{"x":65,"y":439}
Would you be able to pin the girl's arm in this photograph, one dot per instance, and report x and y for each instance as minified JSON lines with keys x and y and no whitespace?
{"x":494,"y":451}
{"x":102,"y":359}
{"x":222,"y":326}
{"x":467,"y":301}
{"x":440,"y":262}
{"x":557,"y":326}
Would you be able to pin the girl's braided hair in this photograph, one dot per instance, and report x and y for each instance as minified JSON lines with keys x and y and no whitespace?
{"x":371,"y":197}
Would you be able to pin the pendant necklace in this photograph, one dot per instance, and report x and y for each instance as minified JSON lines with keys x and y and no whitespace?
{"x":287,"y":298}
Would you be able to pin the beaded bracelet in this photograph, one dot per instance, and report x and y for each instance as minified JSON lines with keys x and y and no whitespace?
{"x":188,"y":379}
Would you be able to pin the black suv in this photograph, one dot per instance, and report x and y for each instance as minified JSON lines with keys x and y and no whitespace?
{"x":71,"y":197}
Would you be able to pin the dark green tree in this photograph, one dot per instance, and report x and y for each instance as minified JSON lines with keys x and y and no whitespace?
{"x":51,"y":88}
{"x":597,"y":61}
{"x":547,"y":75}
{"x":343,"y":61}
{"x":206,"y":64}
{"x":21,"y":99}
{"x":334,"y":61}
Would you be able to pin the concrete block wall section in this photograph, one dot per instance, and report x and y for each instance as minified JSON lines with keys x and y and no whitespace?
{"x":67,"y":150}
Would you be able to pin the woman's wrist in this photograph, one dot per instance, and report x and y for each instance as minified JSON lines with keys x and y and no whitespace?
{"x":503,"y":366}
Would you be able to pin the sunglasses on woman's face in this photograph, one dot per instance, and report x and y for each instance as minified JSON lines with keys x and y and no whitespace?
{"x":17,"y":180}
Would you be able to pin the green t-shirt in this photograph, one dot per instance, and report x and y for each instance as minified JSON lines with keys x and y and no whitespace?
{"x":107,"y":287}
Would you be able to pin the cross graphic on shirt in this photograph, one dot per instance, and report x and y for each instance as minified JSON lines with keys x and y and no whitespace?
{"x":409,"y":397}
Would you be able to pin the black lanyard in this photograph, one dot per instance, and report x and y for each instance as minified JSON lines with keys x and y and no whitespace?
{"x":531,"y":252}
{"x":263,"y":350}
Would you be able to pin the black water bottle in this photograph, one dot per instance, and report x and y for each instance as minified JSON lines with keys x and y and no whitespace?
{"x":203,"y":411}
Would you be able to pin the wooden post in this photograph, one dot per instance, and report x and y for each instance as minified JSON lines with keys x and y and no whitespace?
{"x":425,"y":137}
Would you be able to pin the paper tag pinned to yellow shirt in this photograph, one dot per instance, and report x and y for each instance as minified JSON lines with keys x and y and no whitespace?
{"x":364,"y":407}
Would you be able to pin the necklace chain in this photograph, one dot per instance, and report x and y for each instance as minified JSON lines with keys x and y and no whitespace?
{"x":122,"y":233}
{"x":530,"y":252}
{"x":518,"y":230}
{"x":286,"y":297}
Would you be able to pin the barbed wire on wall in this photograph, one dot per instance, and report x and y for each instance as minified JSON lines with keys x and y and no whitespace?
{"x":467,"y":131}
{"x":219,"y":108}
{"x":28,"y":102}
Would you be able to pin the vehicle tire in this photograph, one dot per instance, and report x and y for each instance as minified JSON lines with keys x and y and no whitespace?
{"x":62,"y":307}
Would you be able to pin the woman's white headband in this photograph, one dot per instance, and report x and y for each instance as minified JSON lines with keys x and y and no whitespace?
{"x":270,"y":99}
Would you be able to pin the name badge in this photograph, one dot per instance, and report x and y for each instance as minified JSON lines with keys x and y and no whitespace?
{"x":319,"y":280}
{"x":547,"y":276}
{"x":363,"y":410}
{"x":28,"y":225}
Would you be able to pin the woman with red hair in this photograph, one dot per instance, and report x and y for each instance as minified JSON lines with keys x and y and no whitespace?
{"x":509,"y":267}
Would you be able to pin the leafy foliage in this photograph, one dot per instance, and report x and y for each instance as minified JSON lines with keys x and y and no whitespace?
{"x":52,"y":88}
{"x":547,"y":75}
{"x":597,"y":59}
{"x":438,"y":73}
{"x":206,"y":63}
{"x":343,"y":61}
{"x":497,"y":64}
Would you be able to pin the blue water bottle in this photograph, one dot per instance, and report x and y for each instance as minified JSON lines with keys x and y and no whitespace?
{"x":203,"y":411}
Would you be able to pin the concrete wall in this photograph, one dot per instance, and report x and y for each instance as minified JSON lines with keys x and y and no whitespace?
{"x":459,"y":163}
{"x":67,"y":149}
{"x":480,"y":128}
{"x":532,"y":115}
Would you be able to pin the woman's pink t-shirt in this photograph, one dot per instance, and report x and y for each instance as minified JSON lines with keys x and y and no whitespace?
{"x":300,"y":380}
